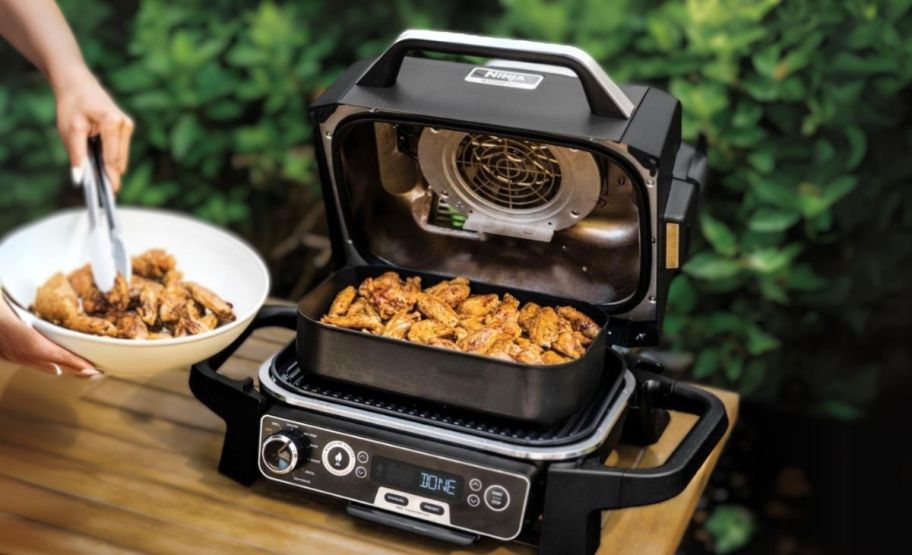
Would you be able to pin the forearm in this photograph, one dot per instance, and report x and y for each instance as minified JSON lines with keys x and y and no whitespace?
{"x":38,"y":29}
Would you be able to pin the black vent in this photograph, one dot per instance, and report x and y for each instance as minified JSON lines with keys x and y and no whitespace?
{"x":286,"y":372}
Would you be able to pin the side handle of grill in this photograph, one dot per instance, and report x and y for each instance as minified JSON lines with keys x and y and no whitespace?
{"x":237,"y":402}
{"x":604,"y":96}
{"x":576,"y":495}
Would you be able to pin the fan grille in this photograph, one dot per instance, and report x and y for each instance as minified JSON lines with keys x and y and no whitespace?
{"x":509,"y":173}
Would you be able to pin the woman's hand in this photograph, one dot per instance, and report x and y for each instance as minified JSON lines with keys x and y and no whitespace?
{"x":23,"y":345}
{"x":38,"y":29}
{"x":84,"y":109}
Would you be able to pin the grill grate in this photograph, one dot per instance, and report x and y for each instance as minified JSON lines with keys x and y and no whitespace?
{"x":286,"y":372}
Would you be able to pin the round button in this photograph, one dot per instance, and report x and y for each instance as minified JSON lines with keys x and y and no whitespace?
{"x":473,"y":500}
{"x":496,"y":498}
{"x":281,"y":452}
{"x":475,"y":484}
{"x":338,"y":458}
{"x":362,"y":457}
{"x":360,"y":472}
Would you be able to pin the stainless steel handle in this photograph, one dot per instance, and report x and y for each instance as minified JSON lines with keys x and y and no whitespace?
{"x":604,"y":96}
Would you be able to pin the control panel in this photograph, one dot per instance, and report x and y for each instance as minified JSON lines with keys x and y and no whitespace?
{"x":411,"y":482}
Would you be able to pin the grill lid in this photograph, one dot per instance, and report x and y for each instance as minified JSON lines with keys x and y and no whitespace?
{"x":568,"y":186}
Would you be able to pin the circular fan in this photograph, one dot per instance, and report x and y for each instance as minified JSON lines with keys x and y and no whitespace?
{"x":510,"y":173}
{"x":509,"y":185}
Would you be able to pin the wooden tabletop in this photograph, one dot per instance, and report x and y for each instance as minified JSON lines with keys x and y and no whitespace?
{"x":119,"y":465}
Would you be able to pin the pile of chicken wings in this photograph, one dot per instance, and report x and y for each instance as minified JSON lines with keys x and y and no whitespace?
{"x":156,"y":304}
{"x":448,"y":315}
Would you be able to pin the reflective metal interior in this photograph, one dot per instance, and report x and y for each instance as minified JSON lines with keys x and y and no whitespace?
{"x":398,"y":217}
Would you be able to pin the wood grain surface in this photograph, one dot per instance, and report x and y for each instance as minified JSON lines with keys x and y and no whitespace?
{"x":129,"y":466}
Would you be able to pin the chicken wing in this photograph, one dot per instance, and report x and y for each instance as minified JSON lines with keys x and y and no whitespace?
{"x":147,"y":293}
{"x":426,"y":331}
{"x":434,"y":308}
{"x":119,"y":296}
{"x":506,"y":317}
{"x":545,"y":327}
{"x":93,"y":300}
{"x":527,"y":314}
{"x":478,"y":305}
{"x":388,"y":294}
{"x":579,"y":321}
{"x":452,"y":292}
{"x":131,"y":326}
{"x":172,"y":303}
{"x":343,"y":301}
{"x":567,"y":343}
{"x":360,"y":316}
{"x":480,"y":341}
{"x":153,"y":264}
{"x":57,"y":302}
{"x":222,"y":309}
{"x":504,"y":349}
{"x":399,"y":325}
{"x":550,"y":357}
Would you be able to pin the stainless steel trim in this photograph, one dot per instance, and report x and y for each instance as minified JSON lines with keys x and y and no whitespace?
{"x":524,"y":478}
{"x":608,"y":86}
{"x":555,"y":453}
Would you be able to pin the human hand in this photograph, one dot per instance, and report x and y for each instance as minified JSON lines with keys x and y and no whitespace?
{"x":85,"y":109}
{"x":23,"y":345}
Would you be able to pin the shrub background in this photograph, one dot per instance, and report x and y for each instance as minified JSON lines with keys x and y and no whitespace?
{"x":798,"y":289}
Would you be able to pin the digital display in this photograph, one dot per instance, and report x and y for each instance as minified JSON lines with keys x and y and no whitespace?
{"x":417,"y":479}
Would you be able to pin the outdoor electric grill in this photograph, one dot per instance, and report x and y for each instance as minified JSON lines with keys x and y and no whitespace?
{"x":534,"y":174}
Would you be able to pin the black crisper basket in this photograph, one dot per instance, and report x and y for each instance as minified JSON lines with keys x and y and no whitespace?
{"x":546,"y":181}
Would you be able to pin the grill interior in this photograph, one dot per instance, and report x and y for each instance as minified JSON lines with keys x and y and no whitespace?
{"x":287,"y":373}
{"x":509,"y":173}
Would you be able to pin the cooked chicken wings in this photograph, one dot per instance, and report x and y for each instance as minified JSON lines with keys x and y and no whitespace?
{"x":155,"y":304}
{"x":449,"y":316}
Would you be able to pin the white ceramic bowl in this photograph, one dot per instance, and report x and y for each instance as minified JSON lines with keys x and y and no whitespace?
{"x":206,"y":254}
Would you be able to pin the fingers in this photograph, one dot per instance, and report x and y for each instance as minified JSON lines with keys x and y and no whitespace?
{"x":67,"y":361}
{"x":26,"y":346}
{"x":116,"y":130}
{"x":74,"y":136}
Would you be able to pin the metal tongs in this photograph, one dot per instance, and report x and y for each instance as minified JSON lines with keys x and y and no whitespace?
{"x":107,"y":252}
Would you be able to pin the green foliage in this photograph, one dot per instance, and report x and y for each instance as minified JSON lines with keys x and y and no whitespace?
{"x":798,"y":273}
{"x":806,"y":225}
{"x":731,"y":527}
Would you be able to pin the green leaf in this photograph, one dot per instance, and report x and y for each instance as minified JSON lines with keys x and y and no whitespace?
{"x":767,"y":261}
{"x":731,"y":526}
{"x":733,"y":367}
{"x":814,"y":200}
{"x":752,"y":378}
{"x":184,"y":134}
{"x":706,"y":363}
{"x":804,"y":278}
{"x":760,"y":342}
{"x":710,"y":266}
{"x":719,"y":235}
{"x":682,"y":295}
{"x":771,"y":289}
{"x":762,"y":159}
{"x":772,"y":219}
{"x":841,"y":410}
{"x":858,"y":144}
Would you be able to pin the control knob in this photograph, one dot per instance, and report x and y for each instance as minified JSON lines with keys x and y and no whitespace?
{"x":283,"y":451}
